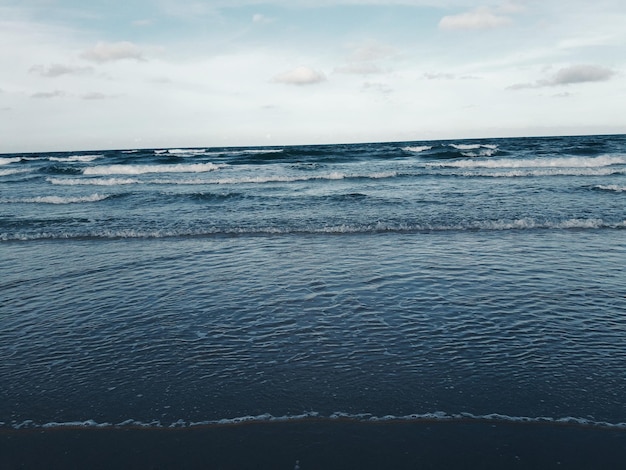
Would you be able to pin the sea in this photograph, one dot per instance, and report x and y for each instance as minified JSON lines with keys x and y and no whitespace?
{"x":428,"y":304}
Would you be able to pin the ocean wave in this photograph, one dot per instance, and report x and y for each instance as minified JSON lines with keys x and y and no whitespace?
{"x":56,"y":199}
{"x":182,"y":151}
{"x":612,"y":188}
{"x":9,"y":160}
{"x":436,"y":416}
{"x":12,"y":172}
{"x":143,"y":169}
{"x":209,"y":152}
{"x":521,"y":173}
{"x":341,"y":229}
{"x":476,"y":150}
{"x":336,"y":175}
{"x":92,"y":181}
{"x":473,"y":146}
{"x":76,"y":158}
{"x":559,"y":162}
{"x":417,"y":149}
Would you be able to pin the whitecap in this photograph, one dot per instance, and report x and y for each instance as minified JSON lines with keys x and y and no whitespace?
{"x":559,"y":162}
{"x":612,"y":187}
{"x":92,"y":181}
{"x":474,"y":146}
{"x":9,"y":160}
{"x":12,"y":172}
{"x":417,"y":149}
{"x":143,"y":169}
{"x":76,"y":158}
{"x":57,"y":199}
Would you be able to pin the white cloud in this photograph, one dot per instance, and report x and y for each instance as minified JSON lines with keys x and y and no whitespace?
{"x":481,"y":18}
{"x":56,"y":70}
{"x":569,"y":76}
{"x":109,"y":52}
{"x":300,"y":76}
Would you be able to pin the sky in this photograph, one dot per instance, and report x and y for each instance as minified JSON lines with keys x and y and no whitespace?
{"x":110,"y":74}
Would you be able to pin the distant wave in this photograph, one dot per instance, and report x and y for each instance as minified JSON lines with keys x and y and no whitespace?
{"x":473,"y":146}
{"x":437,"y":416}
{"x":598,"y":171}
{"x":417,"y":149}
{"x":143,"y":169}
{"x":476,"y":150}
{"x":92,"y":181}
{"x":56,"y":199}
{"x":204,"y":151}
{"x":76,"y":158}
{"x":559,"y":162}
{"x":9,"y":160}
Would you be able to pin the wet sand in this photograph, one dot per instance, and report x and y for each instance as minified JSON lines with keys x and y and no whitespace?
{"x":318,"y":444}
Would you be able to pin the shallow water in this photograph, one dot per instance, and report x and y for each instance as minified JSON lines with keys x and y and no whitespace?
{"x":387,"y":283}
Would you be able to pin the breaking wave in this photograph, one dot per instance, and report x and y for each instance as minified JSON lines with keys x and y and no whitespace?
{"x":143,"y":169}
{"x":559,"y":162}
{"x":9,"y":160}
{"x":341,"y":229}
{"x":92,"y":181}
{"x":417,"y":149}
{"x":76,"y":158}
{"x":612,"y":188}
{"x":56,"y":199}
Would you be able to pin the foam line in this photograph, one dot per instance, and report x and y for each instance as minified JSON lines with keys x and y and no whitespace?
{"x":436,"y":416}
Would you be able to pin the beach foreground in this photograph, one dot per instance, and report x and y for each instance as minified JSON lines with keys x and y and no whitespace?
{"x":319,"y":444}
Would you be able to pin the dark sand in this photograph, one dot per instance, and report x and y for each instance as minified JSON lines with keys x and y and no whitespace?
{"x":319,"y":444}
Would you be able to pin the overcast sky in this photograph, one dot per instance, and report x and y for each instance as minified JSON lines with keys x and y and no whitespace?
{"x":78,"y":75}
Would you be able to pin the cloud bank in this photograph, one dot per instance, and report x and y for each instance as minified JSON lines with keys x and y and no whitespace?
{"x":570,"y":75}
{"x":56,"y":70}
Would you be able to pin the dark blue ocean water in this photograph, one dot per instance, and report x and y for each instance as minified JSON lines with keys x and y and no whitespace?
{"x":475,"y":280}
